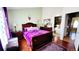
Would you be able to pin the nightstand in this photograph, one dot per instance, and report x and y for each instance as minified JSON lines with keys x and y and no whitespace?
{"x":18,"y":34}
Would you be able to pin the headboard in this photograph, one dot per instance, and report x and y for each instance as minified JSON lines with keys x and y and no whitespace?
{"x":28,"y":25}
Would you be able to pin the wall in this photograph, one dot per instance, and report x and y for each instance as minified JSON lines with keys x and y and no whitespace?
{"x":70,"y":9}
{"x":19,"y":16}
{"x":51,"y":12}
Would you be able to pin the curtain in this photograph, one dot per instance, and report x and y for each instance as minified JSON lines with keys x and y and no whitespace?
{"x":4,"y":29}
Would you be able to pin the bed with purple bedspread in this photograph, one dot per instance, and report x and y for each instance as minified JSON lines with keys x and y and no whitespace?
{"x":37,"y":38}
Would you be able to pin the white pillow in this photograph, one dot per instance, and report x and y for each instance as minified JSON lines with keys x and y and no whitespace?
{"x":35,"y":28}
{"x":31,"y":28}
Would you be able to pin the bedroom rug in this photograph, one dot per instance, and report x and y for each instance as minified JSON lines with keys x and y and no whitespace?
{"x":52,"y":47}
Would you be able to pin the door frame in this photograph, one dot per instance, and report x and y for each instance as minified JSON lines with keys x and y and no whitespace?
{"x":69,"y":17}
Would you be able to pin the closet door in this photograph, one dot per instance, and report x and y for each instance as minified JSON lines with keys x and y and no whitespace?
{"x":4,"y":33}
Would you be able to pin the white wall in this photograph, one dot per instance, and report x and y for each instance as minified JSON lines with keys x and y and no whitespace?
{"x":51,"y":12}
{"x":70,"y":9}
{"x":19,"y":16}
{"x":62,"y":27}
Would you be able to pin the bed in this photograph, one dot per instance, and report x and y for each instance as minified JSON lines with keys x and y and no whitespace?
{"x":36,"y":38}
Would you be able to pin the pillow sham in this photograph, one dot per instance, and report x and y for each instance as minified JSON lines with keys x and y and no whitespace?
{"x":31,"y":28}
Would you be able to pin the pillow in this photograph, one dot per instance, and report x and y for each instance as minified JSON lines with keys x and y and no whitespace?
{"x":26,"y":28}
{"x":35,"y":28}
{"x":31,"y":28}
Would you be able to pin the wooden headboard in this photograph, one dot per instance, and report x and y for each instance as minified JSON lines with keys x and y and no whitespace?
{"x":28,"y":25}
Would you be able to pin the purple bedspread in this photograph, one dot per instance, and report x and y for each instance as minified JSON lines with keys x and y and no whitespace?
{"x":28,"y":35}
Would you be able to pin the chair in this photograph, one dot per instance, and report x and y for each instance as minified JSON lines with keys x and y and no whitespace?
{"x":13,"y":44}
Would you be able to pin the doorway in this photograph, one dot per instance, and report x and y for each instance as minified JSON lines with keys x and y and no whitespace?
{"x":72,"y":24}
{"x":57,"y":22}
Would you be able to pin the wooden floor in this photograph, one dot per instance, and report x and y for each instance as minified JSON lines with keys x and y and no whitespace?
{"x":66,"y":43}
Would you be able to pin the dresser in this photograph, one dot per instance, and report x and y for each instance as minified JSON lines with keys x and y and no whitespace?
{"x":18,"y":34}
{"x":46,"y":28}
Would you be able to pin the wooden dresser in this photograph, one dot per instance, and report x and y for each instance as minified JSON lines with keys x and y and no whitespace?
{"x":18,"y":34}
{"x":46,"y":28}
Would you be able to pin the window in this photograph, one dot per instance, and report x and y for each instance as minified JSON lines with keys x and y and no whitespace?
{"x":75,"y":24}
